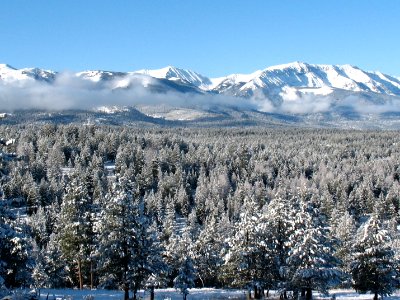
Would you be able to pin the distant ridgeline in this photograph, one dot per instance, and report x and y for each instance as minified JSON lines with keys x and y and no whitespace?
{"x":253,"y":208}
{"x":296,"y":94}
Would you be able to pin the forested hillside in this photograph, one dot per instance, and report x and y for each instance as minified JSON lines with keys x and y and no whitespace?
{"x":117,"y":207}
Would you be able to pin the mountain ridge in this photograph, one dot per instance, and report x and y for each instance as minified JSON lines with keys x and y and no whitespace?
{"x":316,"y":92}
{"x":295,"y":74}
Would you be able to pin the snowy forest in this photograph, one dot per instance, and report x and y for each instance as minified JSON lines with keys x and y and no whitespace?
{"x":259,"y":209}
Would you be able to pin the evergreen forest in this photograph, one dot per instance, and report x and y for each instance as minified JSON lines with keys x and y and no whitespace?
{"x":292,"y":210}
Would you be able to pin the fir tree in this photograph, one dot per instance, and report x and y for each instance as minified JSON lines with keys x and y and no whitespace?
{"x":275,"y":227}
{"x":75,"y":227}
{"x":310,"y":260}
{"x":244,"y":259}
{"x":147,"y":254}
{"x":15,"y":266}
{"x":116,"y":235}
{"x":373,"y":267}
{"x":185,"y":279}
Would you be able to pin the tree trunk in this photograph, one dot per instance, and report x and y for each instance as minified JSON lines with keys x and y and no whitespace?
{"x":248,"y":295}
{"x":80,"y":274}
{"x":303,"y":294}
{"x":201,"y":279}
{"x":91,"y":274}
{"x":308,"y":294}
{"x":152,"y":293}
{"x":126,"y":292}
{"x":256,"y":293}
{"x":295,"y":294}
{"x":376,"y":296}
{"x":134,"y":294}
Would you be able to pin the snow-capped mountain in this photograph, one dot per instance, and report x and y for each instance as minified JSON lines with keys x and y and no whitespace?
{"x":98,"y":75}
{"x":270,"y":82}
{"x":308,"y":91}
{"x":9,"y":74}
{"x":316,"y":79}
{"x":157,"y":82}
{"x":181,"y":75}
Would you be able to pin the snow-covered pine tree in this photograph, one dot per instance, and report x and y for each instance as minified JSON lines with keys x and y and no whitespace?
{"x":374,"y":267}
{"x":244,"y":260}
{"x":310,"y":261}
{"x":75,"y":227}
{"x":186,"y":276}
{"x":129,"y":245}
{"x":15,"y":268}
{"x":207,"y":251}
{"x":115,"y":228}
{"x":343,"y":229}
{"x":180,"y":258}
{"x":55,"y":267}
{"x":147,"y":254}
{"x":275,"y":227}
{"x":39,"y":275}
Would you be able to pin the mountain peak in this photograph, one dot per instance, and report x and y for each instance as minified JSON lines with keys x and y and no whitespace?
{"x":178,"y":74}
{"x":298,"y":65}
{"x":7,"y":66}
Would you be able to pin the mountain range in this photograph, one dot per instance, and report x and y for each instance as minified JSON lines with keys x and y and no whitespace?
{"x":294,"y":93}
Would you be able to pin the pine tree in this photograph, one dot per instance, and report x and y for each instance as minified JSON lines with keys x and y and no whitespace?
{"x":244,"y":259}
{"x":275,"y":227}
{"x":343,"y":229}
{"x":310,"y":261}
{"x":180,"y":255}
{"x":129,"y":245}
{"x":147,"y":254}
{"x":208,"y":249}
{"x":116,"y":235}
{"x":15,"y":266}
{"x":55,"y":266}
{"x":75,"y":228}
{"x":39,"y":275}
{"x":185,"y":279}
{"x":373,"y":267}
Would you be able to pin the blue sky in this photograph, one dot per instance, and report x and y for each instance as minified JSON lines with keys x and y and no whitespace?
{"x":212,"y":37}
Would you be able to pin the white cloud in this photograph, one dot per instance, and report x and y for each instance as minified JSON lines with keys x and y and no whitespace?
{"x":71,"y":92}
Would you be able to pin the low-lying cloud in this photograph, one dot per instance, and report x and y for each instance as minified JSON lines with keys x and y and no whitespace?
{"x":311,"y":103}
{"x":71,"y":92}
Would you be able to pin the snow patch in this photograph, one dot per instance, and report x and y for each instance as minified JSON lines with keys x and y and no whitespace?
{"x":111,"y":109}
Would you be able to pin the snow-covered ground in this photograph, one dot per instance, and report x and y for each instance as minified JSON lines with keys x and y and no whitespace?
{"x":195,"y":294}
{"x":164,"y":294}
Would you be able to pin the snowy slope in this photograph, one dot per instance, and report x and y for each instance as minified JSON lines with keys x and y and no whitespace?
{"x":295,"y":88}
{"x":182,"y":75}
{"x":11,"y":75}
{"x":98,"y":75}
{"x":319,"y":79}
{"x":309,"y":78}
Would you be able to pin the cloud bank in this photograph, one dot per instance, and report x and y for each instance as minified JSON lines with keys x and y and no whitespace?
{"x":69,"y":91}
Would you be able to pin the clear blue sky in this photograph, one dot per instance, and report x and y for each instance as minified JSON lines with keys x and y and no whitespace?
{"x":213,"y":37}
